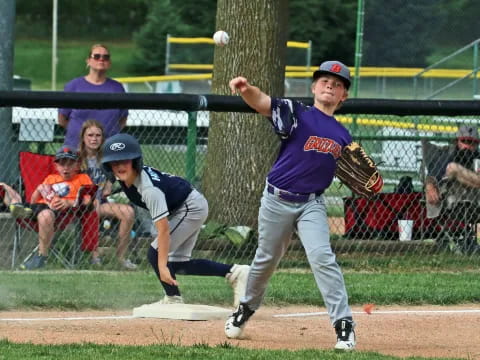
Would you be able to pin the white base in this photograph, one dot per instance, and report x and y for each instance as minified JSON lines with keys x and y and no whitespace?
{"x":182,"y":312}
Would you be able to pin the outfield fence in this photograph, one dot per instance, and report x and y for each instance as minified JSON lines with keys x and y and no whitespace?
{"x":173,"y":132}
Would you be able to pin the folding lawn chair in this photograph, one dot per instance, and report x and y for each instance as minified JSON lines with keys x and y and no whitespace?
{"x":34,"y":168}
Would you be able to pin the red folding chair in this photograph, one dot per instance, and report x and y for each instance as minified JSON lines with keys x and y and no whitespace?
{"x":34,"y":168}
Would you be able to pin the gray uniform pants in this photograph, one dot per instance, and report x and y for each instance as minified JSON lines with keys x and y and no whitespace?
{"x":185,"y":225}
{"x":277,"y":219}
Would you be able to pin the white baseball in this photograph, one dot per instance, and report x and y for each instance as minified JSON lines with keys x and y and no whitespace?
{"x":221,"y":38}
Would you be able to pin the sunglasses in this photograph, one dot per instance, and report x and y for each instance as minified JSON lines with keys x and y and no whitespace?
{"x":105,"y":57}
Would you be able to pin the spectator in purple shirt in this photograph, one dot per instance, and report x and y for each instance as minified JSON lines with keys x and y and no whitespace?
{"x":113,"y":120}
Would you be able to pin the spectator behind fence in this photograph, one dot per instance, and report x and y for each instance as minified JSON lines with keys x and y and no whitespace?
{"x":57,"y":193}
{"x":450,"y":170}
{"x":178,"y":211}
{"x":91,"y":143}
{"x":113,"y":120}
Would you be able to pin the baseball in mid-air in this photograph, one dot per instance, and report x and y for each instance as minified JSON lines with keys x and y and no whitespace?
{"x":221,"y":38}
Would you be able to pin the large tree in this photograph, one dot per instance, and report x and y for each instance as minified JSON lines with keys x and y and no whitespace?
{"x":242,"y":146}
{"x":329,"y":24}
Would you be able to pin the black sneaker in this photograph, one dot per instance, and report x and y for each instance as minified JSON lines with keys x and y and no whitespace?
{"x":35,"y":262}
{"x":345,"y":334}
{"x":237,"y":321}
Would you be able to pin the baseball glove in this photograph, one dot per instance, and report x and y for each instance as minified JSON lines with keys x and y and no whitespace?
{"x":358,"y":171}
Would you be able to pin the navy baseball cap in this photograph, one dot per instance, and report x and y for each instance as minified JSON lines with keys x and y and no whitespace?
{"x":66,"y":152}
{"x":334,"y":68}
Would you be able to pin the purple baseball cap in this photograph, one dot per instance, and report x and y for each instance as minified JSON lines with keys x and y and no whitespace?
{"x":334,"y":68}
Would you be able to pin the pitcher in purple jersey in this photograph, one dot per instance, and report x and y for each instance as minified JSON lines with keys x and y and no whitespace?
{"x":113,"y":120}
{"x":312,"y":141}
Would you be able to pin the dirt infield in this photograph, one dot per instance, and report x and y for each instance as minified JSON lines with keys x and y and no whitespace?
{"x":431,"y":331}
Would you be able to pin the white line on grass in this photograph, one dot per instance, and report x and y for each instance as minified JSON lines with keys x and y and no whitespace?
{"x":387,"y":312}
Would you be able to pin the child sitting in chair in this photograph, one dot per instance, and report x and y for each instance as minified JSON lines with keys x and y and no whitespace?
{"x":50,"y":204}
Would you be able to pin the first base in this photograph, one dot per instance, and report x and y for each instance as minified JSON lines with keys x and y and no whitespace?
{"x":181,"y":312}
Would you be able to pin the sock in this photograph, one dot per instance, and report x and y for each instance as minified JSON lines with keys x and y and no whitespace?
{"x":201,"y":267}
{"x":170,"y":290}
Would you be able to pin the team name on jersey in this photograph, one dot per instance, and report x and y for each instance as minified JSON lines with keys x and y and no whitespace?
{"x":323,"y":145}
{"x":152,"y":174}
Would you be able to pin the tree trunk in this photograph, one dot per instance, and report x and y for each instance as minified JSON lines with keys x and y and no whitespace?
{"x":242,"y":146}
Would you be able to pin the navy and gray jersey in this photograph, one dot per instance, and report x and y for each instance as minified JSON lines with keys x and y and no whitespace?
{"x":158,"y":192}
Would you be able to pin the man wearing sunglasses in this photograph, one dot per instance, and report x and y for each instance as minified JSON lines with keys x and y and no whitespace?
{"x":452,"y":178}
{"x":113,"y":120}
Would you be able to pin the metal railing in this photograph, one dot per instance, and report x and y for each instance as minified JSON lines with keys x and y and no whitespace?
{"x":472,"y":74}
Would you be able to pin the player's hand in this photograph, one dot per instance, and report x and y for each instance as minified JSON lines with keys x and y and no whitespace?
{"x":432,"y":195}
{"x":238,"y":84}
{"x":166,"y":277}
{"x":58,"y":203}
{"x":452,"y":170}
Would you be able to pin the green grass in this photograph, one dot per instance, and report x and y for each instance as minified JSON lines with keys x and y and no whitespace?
{"x":53,"y":290}
{"x":119,"y":290}
{"x":225,"y":351}
{"x":33,"y":60}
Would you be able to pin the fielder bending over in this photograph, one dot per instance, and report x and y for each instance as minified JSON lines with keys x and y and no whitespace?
{"x":312,"y":141}
{"x":178,"y":211}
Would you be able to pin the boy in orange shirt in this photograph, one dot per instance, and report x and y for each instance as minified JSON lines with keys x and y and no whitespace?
{"x":51,"y":201}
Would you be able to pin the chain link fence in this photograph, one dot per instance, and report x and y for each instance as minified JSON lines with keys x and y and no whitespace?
{"x":176,"y":142}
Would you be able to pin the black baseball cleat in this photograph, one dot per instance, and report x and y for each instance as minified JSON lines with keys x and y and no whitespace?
{"x":345,"y":334}
{"x":237,"y":321}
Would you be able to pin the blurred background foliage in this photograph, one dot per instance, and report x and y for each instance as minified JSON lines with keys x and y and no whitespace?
{"x":396,"y":33}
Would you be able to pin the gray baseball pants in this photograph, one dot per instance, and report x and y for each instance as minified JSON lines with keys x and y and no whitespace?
{"x":277,"y":219}
{"x":185,"y":225}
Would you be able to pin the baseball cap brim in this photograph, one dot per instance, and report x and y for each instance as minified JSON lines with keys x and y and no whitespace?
{"x":65,"y":156}
{"x":319,"y":73}
{"x":119,"y":157}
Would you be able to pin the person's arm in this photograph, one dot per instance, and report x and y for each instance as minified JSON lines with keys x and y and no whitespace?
{"x":107,"y":189}
{"x":123,"y":122}
{"x":163,"y":239}
{"x":62,"y":120}
{"x":432,"y":193}
{"x":35,"y":196}
{"x":11,"y":196}
{"x":463,"y":175}
{"x":252,"y":95}
{"x":59,"y":203}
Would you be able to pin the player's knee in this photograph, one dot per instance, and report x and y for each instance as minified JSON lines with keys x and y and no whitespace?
{"x":322,"y":256}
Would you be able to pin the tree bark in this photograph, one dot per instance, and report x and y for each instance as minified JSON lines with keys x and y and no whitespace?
{"x":242,"y":146}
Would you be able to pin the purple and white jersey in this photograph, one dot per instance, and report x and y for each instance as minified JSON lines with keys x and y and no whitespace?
{"x":311,"y":144}
{"x":109,"y":118}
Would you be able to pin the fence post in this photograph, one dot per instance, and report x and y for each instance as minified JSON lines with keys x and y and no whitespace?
{"x":190,"y":161}
{"x":167,"y":55}
{"x":475,"y":69}
{"x":7,"y":164}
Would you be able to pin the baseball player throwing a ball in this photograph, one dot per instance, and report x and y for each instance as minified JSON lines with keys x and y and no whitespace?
{"x":178,"y":212}
{"x":312,"y":141}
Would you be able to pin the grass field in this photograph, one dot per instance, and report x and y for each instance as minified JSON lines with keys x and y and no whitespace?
{"x":94,"y":290}
{"x":33,"y":60}
{"x":117,"y":290}
{"x":13,"y":351}
{"x":373,"y":279}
